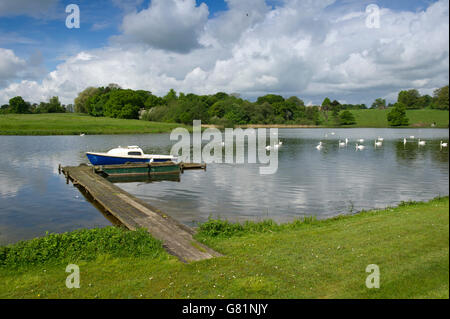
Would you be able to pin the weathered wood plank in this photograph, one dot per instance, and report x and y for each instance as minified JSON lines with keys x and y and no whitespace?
{"x":135,"y":213}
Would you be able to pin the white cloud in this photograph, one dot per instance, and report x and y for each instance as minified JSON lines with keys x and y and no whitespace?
{"x":173,"y":25}
{"x":300,"y":48}
{"x":10,"y":65}
{"x":13,"y":67}
{"x":229,"y":25}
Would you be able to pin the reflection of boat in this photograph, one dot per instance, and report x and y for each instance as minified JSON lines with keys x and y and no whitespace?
{"x":136,"y":169}
{"x":144,"y":178}
{"x":122,"y":155}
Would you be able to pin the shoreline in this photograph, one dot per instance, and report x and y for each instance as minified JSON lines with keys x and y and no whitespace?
{"x":66,"y":124}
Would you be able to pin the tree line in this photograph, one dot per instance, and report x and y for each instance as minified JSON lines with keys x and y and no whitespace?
{"x":18,"y":105}
{"x":219,"y":108}
{"x":411,"y":99}
{"x":222,"y":108}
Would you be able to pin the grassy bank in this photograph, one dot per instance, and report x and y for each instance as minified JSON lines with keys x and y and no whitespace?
{"x":74,"y":124}
{"x":302,"y":259}
{"x":417,"y":118}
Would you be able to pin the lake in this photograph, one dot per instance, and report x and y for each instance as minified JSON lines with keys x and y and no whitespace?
{"x":34,"y":198}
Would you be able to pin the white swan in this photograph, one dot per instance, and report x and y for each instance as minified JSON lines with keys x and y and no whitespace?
{"x":378,"y":143}
{"x":319,"y":147}
{"x":82,"y":134}
{"x":268,"y":147}
{"x":342,"y":144}
{"x":280,"y":143}
{"x":421,"y":143}
{"x":404,"y":141}
{"x":411,"y":137}
{"x":381,"y":139}
{"x":443,"y":144}
{"x":361,"y":140}
{"x":360,"y":147}
{"x":346,"y":141}
{"x":332,"y":133}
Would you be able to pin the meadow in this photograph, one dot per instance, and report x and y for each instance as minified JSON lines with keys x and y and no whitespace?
{"x":302,"y":259}
{"x":75,"y":123}
{"x":417,"y":118}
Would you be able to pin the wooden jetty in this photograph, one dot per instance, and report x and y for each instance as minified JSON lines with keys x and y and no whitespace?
{"x":134,"y":213}
{"x":188,"y":166}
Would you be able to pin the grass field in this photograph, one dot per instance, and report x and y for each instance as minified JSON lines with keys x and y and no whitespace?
{"x":74,"y":124}
{"x":309,"y":259}
{"x":417,"y":118}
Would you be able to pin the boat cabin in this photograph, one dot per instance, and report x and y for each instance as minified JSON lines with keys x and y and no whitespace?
{"x":126,"y":151}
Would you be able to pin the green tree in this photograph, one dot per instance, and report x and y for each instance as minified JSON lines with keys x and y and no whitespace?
{"x":18,"y":105}
{"x":270,"y":98}
{"x":397,"y":116}
{"x":425,"y":101}
{"x":82,"y":98}
{"x":379,"y":104}
{"x":312,"y":114}
{"x":170,"y":96}
{"x":409,"y":98}
{"x":440,"y":98}
{"x":347,"y":118}
{"x":326,"y":106}
{"x":128,"y":100}
{"x":54,"y":105}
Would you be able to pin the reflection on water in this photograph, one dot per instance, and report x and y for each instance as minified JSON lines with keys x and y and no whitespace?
{"x":35,"y":199}
{"x":144,"y":178}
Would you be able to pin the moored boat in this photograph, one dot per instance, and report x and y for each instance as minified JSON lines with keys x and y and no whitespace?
{"x":129,"y":154}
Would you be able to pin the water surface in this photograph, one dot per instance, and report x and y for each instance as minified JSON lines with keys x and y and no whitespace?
{"x":35,"y":199}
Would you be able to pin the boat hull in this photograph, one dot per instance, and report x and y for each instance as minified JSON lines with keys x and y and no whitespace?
{"x":99,"y":159}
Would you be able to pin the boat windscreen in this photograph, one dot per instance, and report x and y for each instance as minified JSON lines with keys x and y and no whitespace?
{"x":135,"y":153}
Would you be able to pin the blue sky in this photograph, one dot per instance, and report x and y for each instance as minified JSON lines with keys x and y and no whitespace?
{"x":41,"y":38}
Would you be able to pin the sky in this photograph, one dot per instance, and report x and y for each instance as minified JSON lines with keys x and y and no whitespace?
{"x":348,"y":50}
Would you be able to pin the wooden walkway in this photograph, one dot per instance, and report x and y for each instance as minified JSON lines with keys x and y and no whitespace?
{"x":134,"y":213}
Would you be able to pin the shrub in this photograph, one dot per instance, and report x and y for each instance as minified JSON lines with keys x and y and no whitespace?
{"x":397,"y":116}
{"x":347,"y":118}
{"x":84,"y":244}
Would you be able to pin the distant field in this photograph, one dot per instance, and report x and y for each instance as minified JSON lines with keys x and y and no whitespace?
{"x":417,"y":118}
{"x":73,"y":124}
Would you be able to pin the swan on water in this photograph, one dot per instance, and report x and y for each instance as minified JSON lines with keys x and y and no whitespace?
{"x":319,"y":147}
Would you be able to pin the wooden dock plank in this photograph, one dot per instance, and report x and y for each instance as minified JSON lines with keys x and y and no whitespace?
{"x":135,"y":213}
